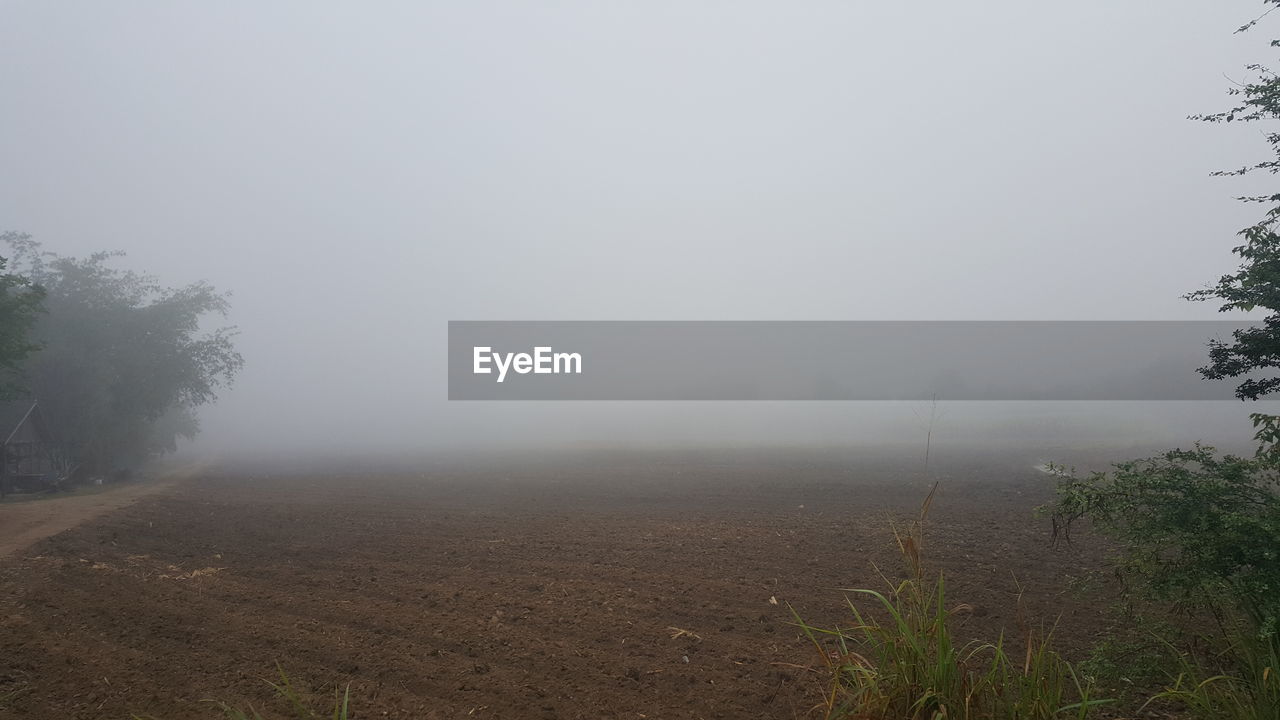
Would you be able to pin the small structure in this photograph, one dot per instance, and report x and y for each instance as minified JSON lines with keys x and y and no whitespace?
{"x":30,"y":458}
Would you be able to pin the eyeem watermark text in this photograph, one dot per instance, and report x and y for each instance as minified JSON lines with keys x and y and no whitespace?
{"x":543,"y":361}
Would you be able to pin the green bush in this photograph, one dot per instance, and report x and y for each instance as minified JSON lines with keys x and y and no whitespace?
{"x":1200,"y":532}
{"x":1192,"y":526}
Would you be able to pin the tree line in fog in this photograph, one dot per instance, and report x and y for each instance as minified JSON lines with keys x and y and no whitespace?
{"x":117,"y":361}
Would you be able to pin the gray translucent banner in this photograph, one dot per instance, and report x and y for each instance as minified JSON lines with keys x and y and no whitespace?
{"x":659,"y":360}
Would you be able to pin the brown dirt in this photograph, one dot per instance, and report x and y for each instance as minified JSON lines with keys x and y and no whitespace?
{"x":547,"y":588}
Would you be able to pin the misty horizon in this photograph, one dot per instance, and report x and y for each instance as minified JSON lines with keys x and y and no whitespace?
{"x":356,"y":179}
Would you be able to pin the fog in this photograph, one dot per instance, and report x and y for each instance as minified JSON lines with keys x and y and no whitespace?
{"x":358,"y":175}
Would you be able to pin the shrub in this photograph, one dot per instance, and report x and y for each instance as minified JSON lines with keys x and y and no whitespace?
{"x":1193,"y":527}
{"x":1201,"y":532}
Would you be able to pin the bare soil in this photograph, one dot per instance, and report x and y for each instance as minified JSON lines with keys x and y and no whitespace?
{"x":548,"y":587}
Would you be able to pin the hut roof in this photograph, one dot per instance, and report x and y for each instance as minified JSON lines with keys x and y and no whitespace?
{"x":14,"y":414}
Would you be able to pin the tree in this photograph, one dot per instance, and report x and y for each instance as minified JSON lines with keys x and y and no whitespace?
{"x":20,"y":304}
{"x":124,"y":362}
{"x":1257,"y":282}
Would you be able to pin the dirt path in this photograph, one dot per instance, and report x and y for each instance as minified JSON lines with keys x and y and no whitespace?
{"x":23,"y":523}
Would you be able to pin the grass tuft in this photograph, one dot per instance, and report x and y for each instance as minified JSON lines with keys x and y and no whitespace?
{"x":899,"y":660}
{"x":299,"y":708}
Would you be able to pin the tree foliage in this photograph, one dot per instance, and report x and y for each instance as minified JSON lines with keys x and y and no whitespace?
{"x":20,"y":304}
{"x":1256,"y":284}
{"x":124,"y":360}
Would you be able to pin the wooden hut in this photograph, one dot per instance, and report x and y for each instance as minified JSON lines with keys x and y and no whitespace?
{"x":30,"y":458}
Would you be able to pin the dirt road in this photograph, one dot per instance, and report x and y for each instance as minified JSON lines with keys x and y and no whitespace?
{"x":23,"y":523}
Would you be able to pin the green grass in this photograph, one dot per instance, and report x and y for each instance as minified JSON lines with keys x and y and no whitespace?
{"x":1248,"y":690}
{"x":898,"y":660}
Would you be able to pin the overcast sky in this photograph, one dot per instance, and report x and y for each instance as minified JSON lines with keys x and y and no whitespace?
{"x":358,"y":174}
